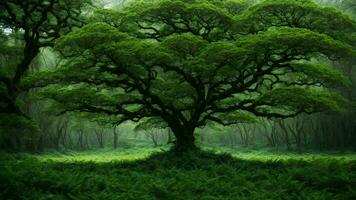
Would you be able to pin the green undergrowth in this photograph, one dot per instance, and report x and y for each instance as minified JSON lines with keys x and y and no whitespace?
{"x":164,"y":175}
{"x":266,"y":154}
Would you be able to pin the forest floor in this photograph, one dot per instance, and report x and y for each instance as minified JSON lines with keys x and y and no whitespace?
{"x":152,"y":174}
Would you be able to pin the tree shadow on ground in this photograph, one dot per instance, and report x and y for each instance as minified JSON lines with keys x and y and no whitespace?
{"x":192,"y":175}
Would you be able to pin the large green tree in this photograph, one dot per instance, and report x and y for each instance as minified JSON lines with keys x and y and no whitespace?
{"x":186,"y":63}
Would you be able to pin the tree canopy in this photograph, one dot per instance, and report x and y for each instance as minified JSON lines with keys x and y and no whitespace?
{"x":186,"y":63}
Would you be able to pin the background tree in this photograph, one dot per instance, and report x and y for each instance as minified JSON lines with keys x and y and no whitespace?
{"x":190,"y":62}
{"x":116,"y":134}
{"x":29,"y":27}
{"x":153,"y":129}
{"x":39,"y":23}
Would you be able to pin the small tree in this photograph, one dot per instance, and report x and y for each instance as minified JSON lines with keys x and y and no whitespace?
{"x":186,"y":63}
{"x":152,"y":129}
{"x":246,"y":133}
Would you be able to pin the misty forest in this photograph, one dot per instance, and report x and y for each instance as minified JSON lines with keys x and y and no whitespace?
{"x":178,"y":99}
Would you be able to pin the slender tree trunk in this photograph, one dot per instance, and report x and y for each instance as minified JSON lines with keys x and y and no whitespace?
{"x":170,"y":136}
{"x":65,"y":135}
{"x":80,"y":144}
{"x":99,"y":136}
{"x":201,"y":138}
{"x":286,"y":134}
{"x":40,"y":146}
{"x":86,"y":141}
{"x":70,"y":142}
{"x":115,"y":137}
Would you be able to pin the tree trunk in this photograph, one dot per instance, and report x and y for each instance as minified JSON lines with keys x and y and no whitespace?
{"x":70,"y":142}
{"x":40,"y":146}
{"x":201,"y":138}
{"x":152,"y":135}
{"x":282,"y":125}
{"x":170,"y":136}
{"x":86,"y":141}
{"x":115,"y":137}
{"x":185,"y":140}
{"x":99,"y":136}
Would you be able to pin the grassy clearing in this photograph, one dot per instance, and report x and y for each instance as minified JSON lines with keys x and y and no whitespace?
{"x":99,"y":156}
{"x":265,"y":155}
{"x":139,"y":174}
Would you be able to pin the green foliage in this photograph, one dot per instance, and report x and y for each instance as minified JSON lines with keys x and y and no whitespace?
{"x":110,"y":16}
{"x":298,"y":98}
{"x":12,"y":12}
{"x":323,"y":73}
{"x":151,"y":123}
{"x":97,"y":35}
{"x":159,"y":19}
{"x":201,"y":56}
{"x":234,"y":117}
{"x":193,"y":175}
{"x":13,"y":121}
{"x":191,"y":62}
{"x":300,"y":14}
